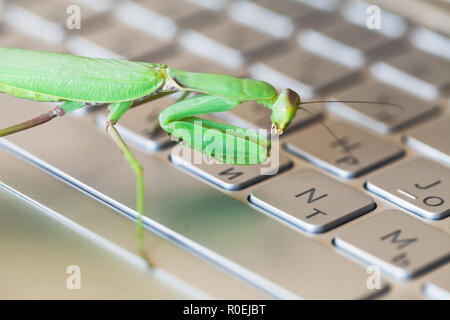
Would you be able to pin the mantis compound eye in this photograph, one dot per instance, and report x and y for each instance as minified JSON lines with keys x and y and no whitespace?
{"x":284,"y":110}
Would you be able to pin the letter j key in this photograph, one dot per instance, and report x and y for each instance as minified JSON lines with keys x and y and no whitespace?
{"x":420,"y":186}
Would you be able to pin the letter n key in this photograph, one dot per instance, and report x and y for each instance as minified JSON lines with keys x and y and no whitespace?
{"x":311,"y":201}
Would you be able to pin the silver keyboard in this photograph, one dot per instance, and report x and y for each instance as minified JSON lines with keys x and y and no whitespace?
{"x":315,"y":230}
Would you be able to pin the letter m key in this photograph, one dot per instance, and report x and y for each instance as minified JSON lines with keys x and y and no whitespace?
{"x":395,"y":239}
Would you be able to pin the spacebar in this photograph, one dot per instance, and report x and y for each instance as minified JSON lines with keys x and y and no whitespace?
{"x":264,"y":253}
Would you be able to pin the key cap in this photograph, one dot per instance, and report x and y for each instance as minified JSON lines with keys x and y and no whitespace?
{"x":381,"y":118}
{"x":32,"y":24}
{"x":197,"y":217}
{"x":323,"y":14}
{"x":255,"y":116}
{"x":415,"y":71}
{"x":71,"y":263}
{"x":369,"y":43}
{"x":420,"y":186}
{"x":306,"y":73}
{"x":227,"y":176}
{"x":99,"y":6}
{"x":432,"y":14}
{"x":205,"y":47}
{"x":327,"y":47}
{"x":431,"y":42}
{"x":13,"y":38}
{"x":322,"y":5}
{"x":397,"y":243}
{"x":150,"y":22}
{"x":358,"y":12}
{"x":438,"y":286}
{"x":228,"y":42}
{"x":213,"y":5}
{"x":431,"y":139}
{"x":357,"y":153}
{"x":119,"y":41}
{"x":311,"y":201}
{"x":178,"y":10}
{"x":56,"y":11}
{"x":293,"y":10}
{"x":257,"y":16}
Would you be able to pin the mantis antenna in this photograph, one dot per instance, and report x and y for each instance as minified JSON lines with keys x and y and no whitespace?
{"x":357,"y":101}
{"x":316,"y":117}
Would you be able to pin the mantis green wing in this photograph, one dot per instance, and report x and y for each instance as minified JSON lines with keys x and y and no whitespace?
{"x":47,"y":76}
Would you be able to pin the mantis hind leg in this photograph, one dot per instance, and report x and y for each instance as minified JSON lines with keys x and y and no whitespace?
{"x":117,"y":110}
{"x":65,"y":107}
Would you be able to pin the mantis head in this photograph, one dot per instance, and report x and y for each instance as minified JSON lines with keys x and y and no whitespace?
{"x":284,"y":110}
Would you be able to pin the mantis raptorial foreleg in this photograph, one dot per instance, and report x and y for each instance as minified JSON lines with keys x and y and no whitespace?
{"x":65,"y":107}
{"x":179,"y":119}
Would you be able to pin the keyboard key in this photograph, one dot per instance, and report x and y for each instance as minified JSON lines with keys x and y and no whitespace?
{"x":397,"y":243}
{"x":13,"y":38}
{"x":227,"y":176}
{"x":178,"y":10}
{"x":392,"y":25}
{"x":420,"y":185}
{"x":306,"y":73}
{"x":293,"y":10}
{"x":431,"y":140}
{"x":145,"y":20}
{"x":99,"y":6}
{"x":56,"y":12}
{"x":431,"y":14}
{"x":311,"y":201}
{"x":256,"y":16}
{"x":32,"y":24}
{"x":118,"y":41}
{"x":231,"y":235}
{"x":213,"y":5}
{"x":431,"y":42}
{"x":357,"y":153}
{"x":278,"y":79}
{"x":327,"y":47}
{"x":320,"y":20}
{"x":84,"y":47}
{"x":381,"y":118}
{"x":371,"y":44}
{"x":323,"y":5}
{"x":228,"y":42}
{"x":415,"y":71}
{"x":438,"y":286}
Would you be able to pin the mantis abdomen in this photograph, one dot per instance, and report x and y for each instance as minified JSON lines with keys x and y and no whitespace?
{"x":46,"y":76}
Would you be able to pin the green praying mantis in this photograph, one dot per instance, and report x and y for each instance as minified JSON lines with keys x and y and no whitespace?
{"x":76,"y":81}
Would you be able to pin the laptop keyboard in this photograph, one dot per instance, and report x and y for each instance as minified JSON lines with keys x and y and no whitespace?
{"x":381,"y":197}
